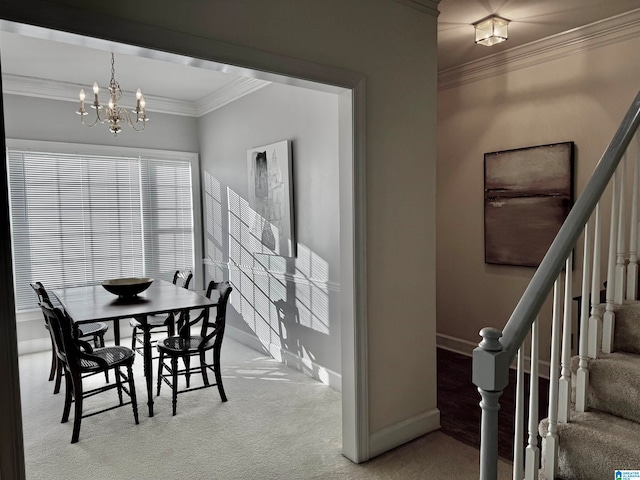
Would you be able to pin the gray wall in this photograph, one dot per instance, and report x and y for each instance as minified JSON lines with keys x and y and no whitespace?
{"x":394,"y":47}
{"x":580,"y":97}
{"x":29,"y":118}
{"x":298,"y":318}
{"x":56,"y":121}
{"x":287,"y":306}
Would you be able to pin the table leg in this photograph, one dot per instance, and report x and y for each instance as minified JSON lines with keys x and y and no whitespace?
{"x":116,"y":331}
{"x":148,"y":364}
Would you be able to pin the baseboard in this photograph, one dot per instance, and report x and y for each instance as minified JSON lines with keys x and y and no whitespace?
{"x":308,"y":367}
{"x":26,"y":347}
{"x":464,"y":347}
{"x":453,"y":344}
{"x":42,"y":341}
{"x":403,"y":432}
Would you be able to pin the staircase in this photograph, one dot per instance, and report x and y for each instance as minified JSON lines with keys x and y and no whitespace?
{"x":593,"y":424}
{"x":606,"y":437}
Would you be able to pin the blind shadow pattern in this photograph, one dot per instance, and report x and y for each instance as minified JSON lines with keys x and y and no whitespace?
{"x":284,"y":301}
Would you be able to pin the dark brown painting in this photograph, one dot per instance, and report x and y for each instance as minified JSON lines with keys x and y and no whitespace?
{"x":528,"y":193}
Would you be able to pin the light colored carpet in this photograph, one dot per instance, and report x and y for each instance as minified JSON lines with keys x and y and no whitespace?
{"x":277,"y":424}
{"x":605,"y":438}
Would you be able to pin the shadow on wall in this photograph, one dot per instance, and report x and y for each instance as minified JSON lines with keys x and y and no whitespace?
{"x":282,"y":301}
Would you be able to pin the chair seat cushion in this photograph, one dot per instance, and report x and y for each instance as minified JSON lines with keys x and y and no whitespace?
{"x":90,"y":329}
{"x":153,"y":321}
{"x":179,"y":345}
{"x":114,"y":356}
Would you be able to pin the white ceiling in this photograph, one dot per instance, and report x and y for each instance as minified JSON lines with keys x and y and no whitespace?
{"x":60,"y":62}
{"x":29,"y":59}
{"x":531,"y":20}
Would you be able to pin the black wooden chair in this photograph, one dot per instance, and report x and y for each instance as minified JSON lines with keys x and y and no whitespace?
{"x":184,"y":346}
{"x":79,"y":359}
{"x":156,"y":322}
{"x":94,"y":330}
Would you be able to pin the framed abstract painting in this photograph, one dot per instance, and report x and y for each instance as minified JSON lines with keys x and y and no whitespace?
{"x":271,"y":199}
{"x":528,"y":193}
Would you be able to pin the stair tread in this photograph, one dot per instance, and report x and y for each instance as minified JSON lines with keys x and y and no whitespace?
{"x":614,"y":384}
{"x":627,"y":327}
{"x":593,"y":444}
{"x":610,"y":425}
{"x":615,"y":359}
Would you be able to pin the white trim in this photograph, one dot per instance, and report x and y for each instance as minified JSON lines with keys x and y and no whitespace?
{"x":91,"y":149}
{"x":306,"y":366}
{"x":228,"y":93}
{"x":605,"y":32}
{"x":453,"y":344}
{"x":36,"y":345}
{"x":353,"y":274}
{"x":57,"y":22}
{"x":403,"y":432}
{"x":29,"y":315}
{"x":464,"y":347}
{"x":68,"y":92}
{"x":426,"y":6}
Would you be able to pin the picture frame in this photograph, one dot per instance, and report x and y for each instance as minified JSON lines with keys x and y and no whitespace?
{"x":528,"y":193}
{"x":270,"y":172}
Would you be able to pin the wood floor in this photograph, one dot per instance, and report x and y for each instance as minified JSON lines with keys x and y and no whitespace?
{"x":458,"y":401}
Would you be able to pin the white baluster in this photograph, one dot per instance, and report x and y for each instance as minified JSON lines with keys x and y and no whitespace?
{"x":621,"y":267}
{"x":518,"y":454}
{"x":582,"y":377}
{"x":595,"y":320}
{"x":550,"y":460}
{"x":532,"y":452}
{"x":564,"y":384}
{"x":609,"y":317}
{"x":632,"y":267}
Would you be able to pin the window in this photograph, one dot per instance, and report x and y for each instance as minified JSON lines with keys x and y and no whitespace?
{"x":79,"y":218}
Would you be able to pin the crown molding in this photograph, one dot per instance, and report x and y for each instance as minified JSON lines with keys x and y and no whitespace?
{"x":68,"y":92}
{"x":228,"y":93}
{"x":605,"y":32}
{"x":426,"y":6}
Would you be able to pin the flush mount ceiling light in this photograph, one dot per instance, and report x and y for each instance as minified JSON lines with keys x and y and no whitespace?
{"x":113,"y":114}
{"x":491,"y":30}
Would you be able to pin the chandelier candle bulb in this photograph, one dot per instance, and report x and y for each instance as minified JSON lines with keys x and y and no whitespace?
{"x":81,"y":110}
{"x":138,"y":97}
{"x":96,"y":89}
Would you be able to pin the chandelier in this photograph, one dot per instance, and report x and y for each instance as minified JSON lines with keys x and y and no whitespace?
{"x":113,"y":114}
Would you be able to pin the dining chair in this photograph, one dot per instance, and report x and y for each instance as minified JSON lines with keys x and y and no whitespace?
{"x":184,"y":346}
{"x":94,"y":330}
{"x":156,"y":322}
{"x":79,"y":359}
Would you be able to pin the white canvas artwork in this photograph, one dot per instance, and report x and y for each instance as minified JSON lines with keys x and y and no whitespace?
{"x":271,"y":199}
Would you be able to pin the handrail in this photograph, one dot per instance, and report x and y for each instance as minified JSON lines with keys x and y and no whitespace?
{"x":534,"y":296}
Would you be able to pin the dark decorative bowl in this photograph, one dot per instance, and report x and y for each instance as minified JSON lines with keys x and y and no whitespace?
{"x":127,"y":287}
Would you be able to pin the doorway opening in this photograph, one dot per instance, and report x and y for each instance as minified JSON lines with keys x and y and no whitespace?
{"x":351,"y":202}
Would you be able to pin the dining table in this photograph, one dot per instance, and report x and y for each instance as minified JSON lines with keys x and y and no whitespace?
{"x":93,"y":303}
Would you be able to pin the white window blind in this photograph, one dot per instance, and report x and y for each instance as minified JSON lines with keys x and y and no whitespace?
{"x":80,"y":219}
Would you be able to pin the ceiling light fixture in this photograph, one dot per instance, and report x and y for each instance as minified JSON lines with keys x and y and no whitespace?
{"x":491,"y":30}
{"x":113,"y":114}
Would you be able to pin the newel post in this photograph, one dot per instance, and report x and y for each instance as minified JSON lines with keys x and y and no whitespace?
{"x":491,"y":376}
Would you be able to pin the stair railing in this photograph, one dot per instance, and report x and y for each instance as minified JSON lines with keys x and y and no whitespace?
{"x":498,"y":349}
